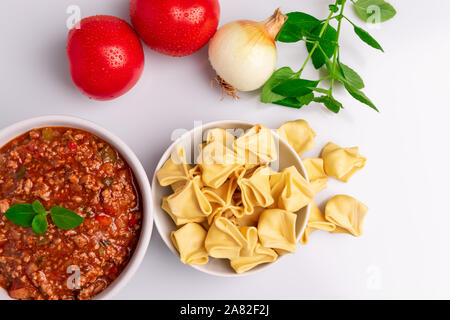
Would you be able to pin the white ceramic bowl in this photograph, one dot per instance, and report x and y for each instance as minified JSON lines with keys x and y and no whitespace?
{"x":11,"y":132}
{"x":220,"y":267}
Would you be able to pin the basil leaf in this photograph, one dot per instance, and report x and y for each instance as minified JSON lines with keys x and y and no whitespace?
{"x":321,"y":90}
{"x":367,"y":38}
{"x":296,"y":102}
{"x":327,"y":43}
{"x":296,"y":26}
{"x":289,"y":102}
{"x":64,"y":218}
{"x":333,"y":8}
{"x":40,"y":224}
{"x":21,"y":214}
{"x":38,"y":207}
{"x":302,"y":20}
{"x":360,"y":96}
{"x":374,"y":10}
{"x":329,"y":102}
{"x":295,"y":87}
{"x":306,"y":99}
{"x":345,"y":74}
{"x":351,"y":76}
{"x":279,"y":76}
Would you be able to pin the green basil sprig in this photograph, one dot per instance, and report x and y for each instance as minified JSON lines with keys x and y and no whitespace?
{"x":288,"y":88}
{"x":369,"y":10}
{"x":34,"y":215}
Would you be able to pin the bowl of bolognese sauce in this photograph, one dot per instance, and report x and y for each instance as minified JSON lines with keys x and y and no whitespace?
{"x":75,"y":164}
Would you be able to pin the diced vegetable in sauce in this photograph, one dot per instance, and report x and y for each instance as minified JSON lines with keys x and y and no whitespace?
{"x":105,"y":242}
{"x":47,"y":133}
{"x":108,"y":154}
{"x":21,"y":173}
{"x":104,"y":221}
{"x":108,"y":181}
{"x":42,"y":240}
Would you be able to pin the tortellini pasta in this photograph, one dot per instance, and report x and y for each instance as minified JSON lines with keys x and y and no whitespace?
{"x":261,"y":255}
{"x":342,"y":163}
{"x":290,"y":190}
{"x":316,"y":221}
{"x":232,"y":205}
{"x":189,"y":240}
{"x":256,"y":146}
{"x":250,"y":219}
{"x":276,"y":229}
{"x":224,"y":240}
{"x":188,"y":204}
{"x":347,"y":213}
{"x":299,"y":135}
{"x":217,"y":158}
{"x":251,"y":236}
{"x":255,"y":189}
{"x":175,"y":169}
{"x":220,"y":205}
{"x":222,"y":200}
{"x":316,"y":174}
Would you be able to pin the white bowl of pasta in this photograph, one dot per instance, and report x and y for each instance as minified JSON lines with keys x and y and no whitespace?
{"x":174,"y":227}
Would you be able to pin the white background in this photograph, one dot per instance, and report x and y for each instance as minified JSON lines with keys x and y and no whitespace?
{"x":403,"y":252}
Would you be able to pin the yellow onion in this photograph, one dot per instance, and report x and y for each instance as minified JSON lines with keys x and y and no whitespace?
{"x":243,"y":53}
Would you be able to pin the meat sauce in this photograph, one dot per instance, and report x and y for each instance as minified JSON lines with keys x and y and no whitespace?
{"x":76,"y":170}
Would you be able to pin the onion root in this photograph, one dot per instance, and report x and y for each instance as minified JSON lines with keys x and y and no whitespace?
{"x":227,"y":88}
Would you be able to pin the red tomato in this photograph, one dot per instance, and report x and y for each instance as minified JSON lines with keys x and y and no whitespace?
{"x":72,"y":146}
{"x":175,"y":27}
{"x":131,"y":223}
{"x":104,"y":221}
{"x":106,"y":57}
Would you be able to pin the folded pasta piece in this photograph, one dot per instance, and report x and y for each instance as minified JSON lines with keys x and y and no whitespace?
{"x":195,"y":171}
{"x":255,"y":189}
{"x":224,"y":240}
{"x":189,"y":240}
{"x":276,"y":229}
{"x":316,"y":174}
{"x":205,"y":225}
{"x":347,"y":213}
{"x":177,"y":186}
{"x":188,"y":204}
{"x":251,"y":236}
{"x":175,"y":169}
{"x":250,"y":220}
{"x":217,"y":158}
{"x":222,"y":195}
{"x":316,"y":221}
{"x":218,"y":148}
{"x":222,"y":200}
{"x":214,"y":175}
{"x":261,"y":255}
{"x":221,"y":136}
{"x":290,"y":190}
{"x":228,"y":213}
{"x":342,"y":163}
{"x":298,"y":134}
{"x":256,"y":146}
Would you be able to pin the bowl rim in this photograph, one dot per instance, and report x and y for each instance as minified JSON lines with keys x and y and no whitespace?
{"x":10,"y":132}
{"x":164,"y":157}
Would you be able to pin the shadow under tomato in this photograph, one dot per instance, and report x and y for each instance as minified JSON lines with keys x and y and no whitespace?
{"x":58,"y":64}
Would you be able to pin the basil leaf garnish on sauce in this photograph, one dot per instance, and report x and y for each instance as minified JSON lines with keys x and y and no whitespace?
{"x":35,"y":216}
{"x":64,"y":218}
